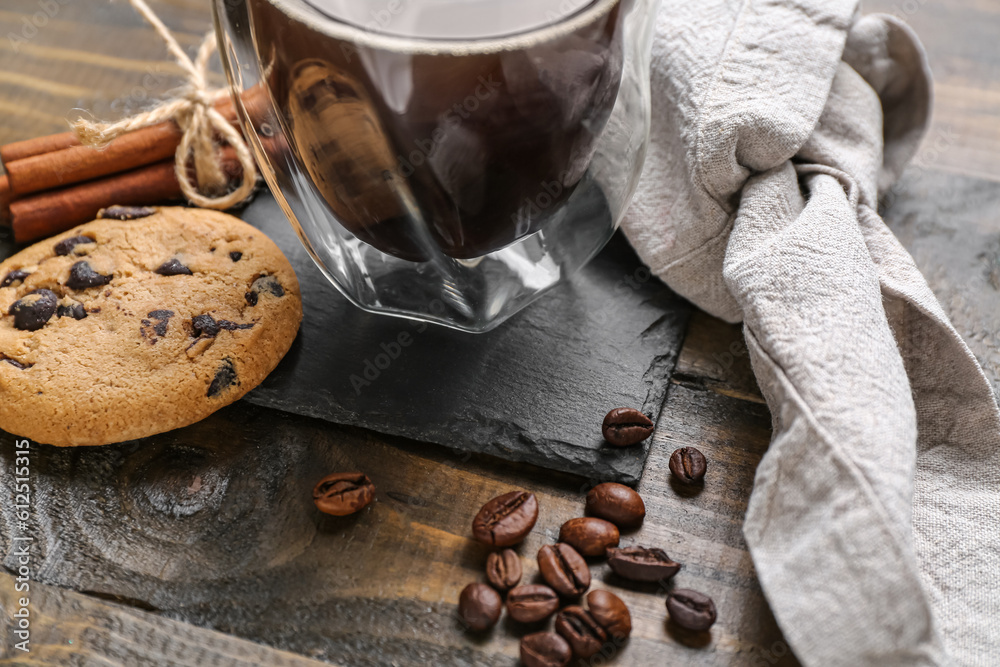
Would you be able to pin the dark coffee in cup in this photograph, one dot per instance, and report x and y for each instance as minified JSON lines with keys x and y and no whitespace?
{"x":464,"y":132}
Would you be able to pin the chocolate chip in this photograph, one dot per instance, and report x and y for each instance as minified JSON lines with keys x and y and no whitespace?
{"x":173,"y":267}
{"x":204,"y":325}
{"x":265,"y":284}
{"x":251,"y":298}
{"x":224,"y":378}
{"x":125,"y":212}
{"x":33,"y":310}
{"x":235,"y":255}
{"x":68,"y":246}
{"x":82,"y":276}
{"x":17,"y":275}
{"x":163,"y":318}
{"x":15,"y":363}
{"x":233,"y":326}
{"x":75,"y":311}
{"x":153,"y":330}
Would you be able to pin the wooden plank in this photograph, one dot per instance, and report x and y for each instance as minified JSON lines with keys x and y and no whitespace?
{"x":960,"y":38}
{"x":68,"y":628}
{"x":214,"y":525}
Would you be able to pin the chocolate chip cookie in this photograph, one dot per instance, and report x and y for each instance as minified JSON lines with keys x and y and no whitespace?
{"x":142,"y":321}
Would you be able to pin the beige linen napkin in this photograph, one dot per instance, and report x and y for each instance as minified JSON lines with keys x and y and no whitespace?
{"x":874,"y":522}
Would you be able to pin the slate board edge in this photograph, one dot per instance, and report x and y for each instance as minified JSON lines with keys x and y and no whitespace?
{"x":624,"y":465}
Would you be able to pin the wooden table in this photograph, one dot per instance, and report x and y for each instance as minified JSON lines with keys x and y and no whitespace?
{"x":201,"y":546}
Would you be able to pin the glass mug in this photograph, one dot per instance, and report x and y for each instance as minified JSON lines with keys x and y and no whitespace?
{"x":444,"y":160}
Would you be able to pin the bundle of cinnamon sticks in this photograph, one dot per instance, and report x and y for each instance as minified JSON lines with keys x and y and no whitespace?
{"x":53,"y":183}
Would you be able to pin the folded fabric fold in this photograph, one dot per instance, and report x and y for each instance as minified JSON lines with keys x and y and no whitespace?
{"x":873,"y":523}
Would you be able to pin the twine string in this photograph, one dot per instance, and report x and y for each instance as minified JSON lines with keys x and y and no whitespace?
{"x":198,"y":120}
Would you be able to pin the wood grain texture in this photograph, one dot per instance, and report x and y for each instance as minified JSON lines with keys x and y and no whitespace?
{"x":72,"y":629}
{"x":960,"y":37}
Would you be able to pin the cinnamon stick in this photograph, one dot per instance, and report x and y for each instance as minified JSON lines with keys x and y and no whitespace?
{"x":82,"y":163}
{"x":5,"y":196}
{"x":37,"y":146}
{"x":76,"y":164}
{"x":55,"y":211}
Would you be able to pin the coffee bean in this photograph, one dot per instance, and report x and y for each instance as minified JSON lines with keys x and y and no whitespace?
{"x":589,"y":535}
{"x":626,"y":426}
{"x":503,"y":569}
{"x":506,"y":520}
{"x":173,"y":267}
{"x":691,"y":610}
{"x":343,"y":493}
{"x":564,"y":569}
{"x":125,"y":212}
{"x":610,"y":613}
{"x":532,"y":603}
{"x":82,"y":276}
{"x":545,"y":649}
{"x":688,"y":465}
{"x":479,"y":606}
{"x":76,"y":311}
{"x":225,"y":377}
{"x":642,"y":563}
{"x":578,"y":627}
{"x":235,"y":255}
{"x":617,"y":503}
{"x":15,"y":276}
{"x":33,"y":310}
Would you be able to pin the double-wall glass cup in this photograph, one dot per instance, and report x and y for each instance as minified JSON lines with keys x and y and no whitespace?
{"x":444,"y":160}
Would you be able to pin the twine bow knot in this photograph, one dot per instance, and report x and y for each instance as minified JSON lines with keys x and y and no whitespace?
{"x":199,"y":121}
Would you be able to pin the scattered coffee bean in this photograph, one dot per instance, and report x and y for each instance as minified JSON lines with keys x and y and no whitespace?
{"x":82,"y":276}
{"x":642,"y":564}
{"x":125,"y":212}
{"x":688,"y":465}
{"x":15,"y":276}
{"x":584,"y":635}
{"x":532,"y":603}
{"x":691,"y":610}
{"x":75,"y":311}
{"x":479,"y":606}
{"x":503,"y":569}
{"x":545,"y":649}
{"x":225,"y":377}
{"x":506,"y":520}
{"x":343,"y":493}
{"x":33,"y":310}
{"x":235,"y":255}
{"x":564,"y":569}
{"x":68,"y":246}
{"x":589,"y":535}
{"x":617,"y":503}
{"x":173,"y":267}
{"x":626,"y":426}
{"x":610,"y":613}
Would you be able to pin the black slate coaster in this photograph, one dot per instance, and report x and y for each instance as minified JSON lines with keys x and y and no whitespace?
{"x":535,"y":389}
